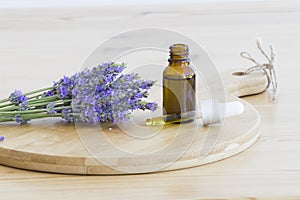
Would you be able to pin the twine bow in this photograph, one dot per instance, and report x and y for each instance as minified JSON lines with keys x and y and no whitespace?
{"x":267,"y":68}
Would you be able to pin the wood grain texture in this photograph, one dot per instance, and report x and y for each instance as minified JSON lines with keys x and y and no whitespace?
{"x":41,"y":44}
{"x":59,"y":147}
{"x":240,"y":85}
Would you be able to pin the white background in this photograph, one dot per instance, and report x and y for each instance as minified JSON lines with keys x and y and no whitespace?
{"x":76,"y":3}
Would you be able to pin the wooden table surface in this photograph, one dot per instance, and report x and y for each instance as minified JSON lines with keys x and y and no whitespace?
{"x":37,"y":46}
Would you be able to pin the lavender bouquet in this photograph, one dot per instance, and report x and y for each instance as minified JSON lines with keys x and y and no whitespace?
{"x":96,"y":95}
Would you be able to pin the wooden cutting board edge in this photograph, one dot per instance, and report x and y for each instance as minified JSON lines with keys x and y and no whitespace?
{"x":91,"y":166}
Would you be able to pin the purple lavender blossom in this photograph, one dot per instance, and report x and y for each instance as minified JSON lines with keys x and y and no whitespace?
{"x":50,"y":108}
{"x":151,"y":106}
{"x":16,"y":96}
{"x":103,"y":94}
{"x":98,"y":95}
{"x":20,"y":120}
{"x":24,"y":105}
{"x":66,"y":114}
{"x":2,"y":138}
{"x":19,"y":99}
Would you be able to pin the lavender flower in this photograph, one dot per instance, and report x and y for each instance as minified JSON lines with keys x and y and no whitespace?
{"x":2,"y":138}
{"x":94,"y":95}
{"x":151,"y":106}
{"x":66,"y":114}
{"x":19,"y":99}
{"x":50,"y":108}
{"x":101,"y":94}
{"x":20,"y":120}
{"x":16,"y":96}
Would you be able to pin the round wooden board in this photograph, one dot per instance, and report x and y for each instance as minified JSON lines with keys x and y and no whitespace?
{"x":60,"y":147}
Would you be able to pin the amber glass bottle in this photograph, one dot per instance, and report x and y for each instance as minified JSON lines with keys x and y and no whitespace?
{"x":178,"y":82}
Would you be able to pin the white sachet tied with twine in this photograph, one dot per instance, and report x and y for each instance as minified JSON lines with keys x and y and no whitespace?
{"x":268,"y":68}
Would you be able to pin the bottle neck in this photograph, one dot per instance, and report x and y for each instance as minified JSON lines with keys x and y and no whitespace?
{"x":181,"y":63}
{"x":179,"y":54}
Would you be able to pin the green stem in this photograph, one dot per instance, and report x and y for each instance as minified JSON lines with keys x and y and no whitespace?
{"x":33,"y":101}
{"x":16,"y":108}
{"x":4,"y":100}
{"x":31,"y":106}
{"x":29,"y":117}
{"x":63,"y":107}
{"x":6,"y":105}
{"x":35,"y":97}
{"x":6,"y":120}
{"x":38,"y":91}
{"x":13,"y":113}
{"x":45,"y":99}
{"x":28,"y":93}
{"x":38,"y":116}
{"x":33,"y":116}
{"x":58,"y":102}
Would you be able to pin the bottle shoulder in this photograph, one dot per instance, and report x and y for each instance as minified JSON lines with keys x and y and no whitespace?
{"x":178,"y":71}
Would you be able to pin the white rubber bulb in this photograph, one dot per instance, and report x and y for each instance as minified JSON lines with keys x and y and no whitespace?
{"x":214,"y":112}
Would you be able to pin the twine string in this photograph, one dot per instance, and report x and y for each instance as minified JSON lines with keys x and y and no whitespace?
{"x":268,"y":68}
